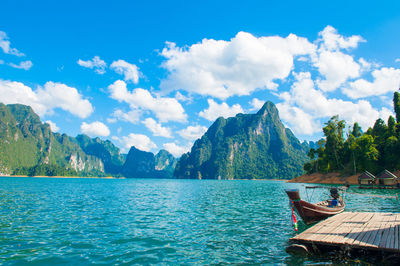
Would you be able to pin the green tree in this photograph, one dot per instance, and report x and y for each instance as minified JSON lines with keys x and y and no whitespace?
{"x":396,"y":103}
{"x":333,"y":132}
{"x":356,"y":132}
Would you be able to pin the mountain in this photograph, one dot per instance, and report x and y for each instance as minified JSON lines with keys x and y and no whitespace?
{"x":165,"y":161}
{"x":109,"y":154}
{"x":141,"y":164}
{"x":26,"y":143}
{"x":248,"y":146}
{"x":29,"y":147}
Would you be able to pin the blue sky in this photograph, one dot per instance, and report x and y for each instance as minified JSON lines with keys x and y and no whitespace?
{"x":156,"y":74}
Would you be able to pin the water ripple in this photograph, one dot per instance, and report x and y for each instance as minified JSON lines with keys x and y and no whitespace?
{"x":142,"y":221}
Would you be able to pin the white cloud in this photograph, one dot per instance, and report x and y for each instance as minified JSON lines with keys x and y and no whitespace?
{"x":216,"y":110}
{"x":157,"y":129}
{"x":397,"y":60}
{"x":331,"y":40}
{"x":141,"y":142}
{"x":237,"y":67}
{"x":130,"y":71}
{"x":183,"y":98}
{"x":5,"y":45}
{"x":177,"y":150}
{"x":192,"y":132}
{"x":256,"y":104}
{"x":53,"y":126}
{"x":132,"y":116}
{"x":26,"y":65}
{"x":45,"y":99}
{"x":336,"y":67}
{"x":304,"y":107}
{"x":385,"y":80}
{"x":166,"y":109}
{"x":95,"y":63}
{"x":95,"y":129}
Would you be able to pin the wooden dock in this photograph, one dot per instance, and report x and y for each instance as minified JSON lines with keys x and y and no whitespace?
{"x":355,"y":230}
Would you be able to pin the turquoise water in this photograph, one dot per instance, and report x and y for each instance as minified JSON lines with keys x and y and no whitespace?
{"x":149,"y":221}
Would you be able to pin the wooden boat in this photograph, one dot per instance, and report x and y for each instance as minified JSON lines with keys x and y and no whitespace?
{"x":312,"y":213}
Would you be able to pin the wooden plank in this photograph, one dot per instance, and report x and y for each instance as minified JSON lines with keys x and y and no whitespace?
{"x":379,"y":235}
{"x":328,"y":238}
{"x":396,"y":237}
{"x":342,"y":233}
{"x":365,"y":235}
{"x":357,"y":229}
{"x":385,"y":236}
{"x":390,"y":243}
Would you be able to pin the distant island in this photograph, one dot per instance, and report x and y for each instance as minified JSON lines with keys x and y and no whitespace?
{"x":247,"y":146}
{"x":29,"y":147}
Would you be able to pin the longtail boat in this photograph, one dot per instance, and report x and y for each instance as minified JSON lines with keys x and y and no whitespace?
{"x":312,"y":213}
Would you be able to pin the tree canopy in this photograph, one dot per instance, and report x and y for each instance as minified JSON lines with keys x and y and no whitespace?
{"x":356,"y":151}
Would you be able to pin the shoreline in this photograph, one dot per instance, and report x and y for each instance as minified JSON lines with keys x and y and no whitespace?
{"x":42,"y":176}
{"x":333,"y":178}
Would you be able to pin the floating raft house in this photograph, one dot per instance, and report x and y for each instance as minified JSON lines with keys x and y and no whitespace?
{"x":386,"y":178}
{"x":366,"y":179}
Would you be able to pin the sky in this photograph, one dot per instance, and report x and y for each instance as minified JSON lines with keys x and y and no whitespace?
{"x":156,"y":74}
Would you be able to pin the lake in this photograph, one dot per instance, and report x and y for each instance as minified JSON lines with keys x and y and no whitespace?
{"x":148,"y":221}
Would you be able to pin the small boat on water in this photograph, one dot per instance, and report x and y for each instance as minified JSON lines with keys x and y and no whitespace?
{"x":312,"y":213}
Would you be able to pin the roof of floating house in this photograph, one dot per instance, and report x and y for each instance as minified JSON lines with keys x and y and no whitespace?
{"x":366,"y":175}
{"x":385,"y":174}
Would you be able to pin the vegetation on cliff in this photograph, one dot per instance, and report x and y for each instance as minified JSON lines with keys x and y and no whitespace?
{"x":248,"y":146}
{"x":29,"y":147}
{"x":374,"y":150}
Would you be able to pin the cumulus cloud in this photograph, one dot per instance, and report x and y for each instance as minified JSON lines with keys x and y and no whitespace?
{"x":157,"y":129}
{"x":26,"y":65}
{"x":130,"y":71}
{"x":95,"y":63}
{"x":177,"y":150}
{"x":192,"y":132}
{"x":166,"y":109}
{"x":237,"y":67}
{"x":336,"y":67}
{"x":385,"y":80}
{"x":141,"y":142}
{"x":330,"y":40}
{"x":216,"y":110}
{"x":53,"y":126}
{"x":45,"y":99}
{"x":95,"y":129}
{"x":131,"y":116}
{"x":5,"y":45}
{"x":304,"y":106}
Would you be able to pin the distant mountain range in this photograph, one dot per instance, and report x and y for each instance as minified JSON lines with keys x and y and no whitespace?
{"x":29,"y":147}
{"x":248,"y":146}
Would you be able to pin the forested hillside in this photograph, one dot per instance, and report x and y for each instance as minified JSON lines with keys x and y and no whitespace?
{"x":353,"y":150}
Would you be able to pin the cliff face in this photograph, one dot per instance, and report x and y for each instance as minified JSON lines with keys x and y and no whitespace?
{"x":27,"y":146}
{"x":26,"y":142}
{"x":109,"y":154}
{"x":141,"y":164}
{"x":251,"y":146}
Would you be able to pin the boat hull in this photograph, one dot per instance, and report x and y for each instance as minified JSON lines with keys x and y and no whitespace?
{"x":312,"y":213}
